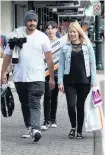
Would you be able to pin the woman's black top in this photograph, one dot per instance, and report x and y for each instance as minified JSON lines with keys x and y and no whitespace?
{"x":77,"y":69}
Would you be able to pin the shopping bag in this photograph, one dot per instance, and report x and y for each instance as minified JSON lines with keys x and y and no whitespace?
{"x":96,"y":97}
{"x":93,"y":116}
{"x":7,"y":102}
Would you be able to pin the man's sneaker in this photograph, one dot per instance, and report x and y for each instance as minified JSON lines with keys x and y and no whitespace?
{"x":27,"y":133}
{"x":53,"y":124}
{"x":45,"y":126}
{"x":36,"y":135}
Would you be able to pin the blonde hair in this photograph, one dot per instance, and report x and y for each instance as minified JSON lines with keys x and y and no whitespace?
{"x":82,"y":35}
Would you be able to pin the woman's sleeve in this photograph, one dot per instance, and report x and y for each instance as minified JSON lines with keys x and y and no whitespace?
{"x":61,"y":67}
{"x":92,"y":65}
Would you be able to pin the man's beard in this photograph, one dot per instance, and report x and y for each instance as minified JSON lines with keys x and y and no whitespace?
{"x":31,"y":27}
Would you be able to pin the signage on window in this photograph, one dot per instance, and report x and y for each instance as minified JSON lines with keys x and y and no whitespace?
{"x":64,"y":4}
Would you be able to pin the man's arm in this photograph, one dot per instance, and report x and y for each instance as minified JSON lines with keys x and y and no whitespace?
{"x":49,"y":60}
{"x":6,"y":62}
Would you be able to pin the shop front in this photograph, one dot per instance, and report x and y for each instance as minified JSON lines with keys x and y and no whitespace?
{"x":60,"y":11}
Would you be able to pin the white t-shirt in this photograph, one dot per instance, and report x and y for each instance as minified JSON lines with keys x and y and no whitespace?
{"x":31,"y":65}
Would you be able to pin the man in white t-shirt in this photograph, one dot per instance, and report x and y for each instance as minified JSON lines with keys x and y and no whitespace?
{"x":29,"y":72}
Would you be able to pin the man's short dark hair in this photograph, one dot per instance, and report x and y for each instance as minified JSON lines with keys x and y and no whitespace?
{"x":52,"y":23}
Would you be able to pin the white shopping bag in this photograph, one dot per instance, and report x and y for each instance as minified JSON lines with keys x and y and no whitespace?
{"x":93,"y":116}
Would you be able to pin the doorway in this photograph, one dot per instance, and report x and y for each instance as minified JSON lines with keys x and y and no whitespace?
{"x":20,"y":9}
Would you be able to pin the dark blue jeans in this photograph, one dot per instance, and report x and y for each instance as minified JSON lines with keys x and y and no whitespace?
{"x":30,"y":94}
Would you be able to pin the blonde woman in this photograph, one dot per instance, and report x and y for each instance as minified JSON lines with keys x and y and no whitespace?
{"x":76,"y":74}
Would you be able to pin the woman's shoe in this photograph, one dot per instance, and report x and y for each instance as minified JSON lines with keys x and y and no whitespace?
{"x":79,"y":135}
{"x":72,"y":133}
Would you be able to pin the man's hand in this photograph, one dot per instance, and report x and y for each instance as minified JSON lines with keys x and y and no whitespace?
{"x":51,"y":83}
{"x":3,"y":78}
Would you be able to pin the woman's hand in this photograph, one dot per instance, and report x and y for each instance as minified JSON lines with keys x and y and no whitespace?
{"x":61,"y":88}
{"x":95,"y":85}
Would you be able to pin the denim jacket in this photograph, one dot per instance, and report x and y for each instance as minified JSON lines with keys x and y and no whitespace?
{"x":65,"y":61}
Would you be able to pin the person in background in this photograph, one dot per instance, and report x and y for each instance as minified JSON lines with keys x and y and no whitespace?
{"x":41,"y":28}
{"x":84,"y":28}
{"x":29,"y":72}
{"x":3,"y":41}
{"x":9,"y":68}
{"x":76,"y":75}
{"x":57,"y":32}
{"x":50,"y":97}
{"x":61,"y":31}
{"x":1,"y":47}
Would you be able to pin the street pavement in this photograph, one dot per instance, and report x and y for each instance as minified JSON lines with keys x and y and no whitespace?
{"x":54,"y":141}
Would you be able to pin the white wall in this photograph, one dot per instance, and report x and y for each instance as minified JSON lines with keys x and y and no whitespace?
{"x":6,"y":17}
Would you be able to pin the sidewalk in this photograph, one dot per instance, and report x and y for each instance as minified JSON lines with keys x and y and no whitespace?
{"x":54,"y":141}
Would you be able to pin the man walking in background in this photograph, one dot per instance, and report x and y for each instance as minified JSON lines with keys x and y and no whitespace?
{"x":51,"y":96}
